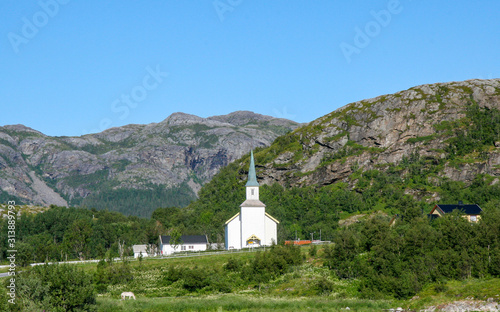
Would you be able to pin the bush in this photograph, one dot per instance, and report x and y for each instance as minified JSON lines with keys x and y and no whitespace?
{"x":195,"y":279}
{"x":323,"y":286}
{"x":173,"y":275}
{"x":108,"y":274}
{"x":313,"y":251}
{"x":233,"y":265}
{"x":56,"y":288}
{"x":271,"y":264}
{"x":440,"y":287}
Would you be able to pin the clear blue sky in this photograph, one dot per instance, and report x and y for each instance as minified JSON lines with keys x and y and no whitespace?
{"x":68,"y":66}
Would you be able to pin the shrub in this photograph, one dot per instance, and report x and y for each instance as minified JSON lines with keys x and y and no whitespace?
{"x":233,"y":265}
{"x":56,"y":288}
{"x":313,"y":251}
{"x":111,"y":274}
{"x":195,"y":279}
{"x":323,"y":286}
{"x":271,"y":264}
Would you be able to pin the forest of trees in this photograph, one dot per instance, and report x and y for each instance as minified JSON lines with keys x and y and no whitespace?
{"x":62,"y":233}
{"x":399,"y":261}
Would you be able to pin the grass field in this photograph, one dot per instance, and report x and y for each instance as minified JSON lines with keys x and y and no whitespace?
{"x":306,"y":287}
{"x":238,"y":303}
{"x":293,"y":291}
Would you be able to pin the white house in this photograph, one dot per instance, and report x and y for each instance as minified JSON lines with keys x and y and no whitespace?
{"x":188,"y":243}
{"x":138,"y":249}
{"x":252,"y":226}
{"x":146,"y":250}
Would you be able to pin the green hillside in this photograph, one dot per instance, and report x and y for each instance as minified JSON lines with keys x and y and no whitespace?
{"x":455,"y":162}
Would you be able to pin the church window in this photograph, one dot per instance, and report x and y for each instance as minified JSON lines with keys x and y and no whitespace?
{"x":252,"y":191}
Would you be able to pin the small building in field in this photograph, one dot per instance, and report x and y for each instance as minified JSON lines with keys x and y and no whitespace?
{"x":471,"y":212}
{"x":187,"y":243}
{"x":138,"y":249}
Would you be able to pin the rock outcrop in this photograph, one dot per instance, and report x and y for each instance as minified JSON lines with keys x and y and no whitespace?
{"x":378,"y":132}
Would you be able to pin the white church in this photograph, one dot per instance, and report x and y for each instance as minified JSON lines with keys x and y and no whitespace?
{"x":252,"y":226}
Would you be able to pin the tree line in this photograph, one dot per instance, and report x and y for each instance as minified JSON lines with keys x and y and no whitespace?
{"x":61,"y":233}
{"x":398,"y":261}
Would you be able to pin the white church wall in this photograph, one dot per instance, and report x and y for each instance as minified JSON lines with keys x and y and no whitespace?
{"x":233,"y":240}
{"x":252,"y":223}
{"x":271,"y":231}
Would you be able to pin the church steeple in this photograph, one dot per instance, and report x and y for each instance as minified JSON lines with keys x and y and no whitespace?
{"x":252,"y":177}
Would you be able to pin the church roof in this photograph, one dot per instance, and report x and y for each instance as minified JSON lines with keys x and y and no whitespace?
{"x":252,"y":177}
{"x":252,"y":203}
{"x":232,"y":218}
{"x":272,"y":218}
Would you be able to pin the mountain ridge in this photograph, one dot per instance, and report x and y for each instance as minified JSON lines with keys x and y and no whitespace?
{"x":182,"y":152}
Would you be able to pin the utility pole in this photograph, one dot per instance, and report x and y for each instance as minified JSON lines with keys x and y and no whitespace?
{"x":320,"y":235}
{"x":312,"y":237}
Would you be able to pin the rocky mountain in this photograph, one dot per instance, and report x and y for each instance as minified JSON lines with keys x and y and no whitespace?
{"x":451,"y":129}
{"x":129,"y":167}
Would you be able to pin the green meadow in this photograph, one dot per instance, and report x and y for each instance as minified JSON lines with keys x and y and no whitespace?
{"x":285,"y":279}
{"x":238,"y":303}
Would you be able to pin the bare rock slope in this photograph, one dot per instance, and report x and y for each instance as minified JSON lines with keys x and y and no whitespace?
{"x":386,"y":131}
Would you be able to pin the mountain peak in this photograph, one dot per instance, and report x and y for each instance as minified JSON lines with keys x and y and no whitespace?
{"x":239,"y":118}
{"x":21,"y":128}
{"x":180,"y":118}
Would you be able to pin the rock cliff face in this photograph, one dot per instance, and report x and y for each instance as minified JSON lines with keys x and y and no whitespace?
{"x":182,"y":149}
{"x":383,"y":131}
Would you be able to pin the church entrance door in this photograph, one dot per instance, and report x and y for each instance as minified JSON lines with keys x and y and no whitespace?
{"x":253,"y":241}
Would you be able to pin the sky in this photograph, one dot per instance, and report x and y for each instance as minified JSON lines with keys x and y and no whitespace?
{"x":69,"y":67}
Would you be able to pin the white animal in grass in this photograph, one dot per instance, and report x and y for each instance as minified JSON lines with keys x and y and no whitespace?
{"x":128,"y":294}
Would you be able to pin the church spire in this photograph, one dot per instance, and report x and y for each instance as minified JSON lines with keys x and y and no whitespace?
{"x":252,"y":177}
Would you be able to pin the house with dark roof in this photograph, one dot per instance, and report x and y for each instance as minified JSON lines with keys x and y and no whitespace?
{"x":471,"y":212}
{"x":187,"y":243}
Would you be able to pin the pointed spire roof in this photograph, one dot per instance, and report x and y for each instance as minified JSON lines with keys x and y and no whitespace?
{"x":252,"y":177}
